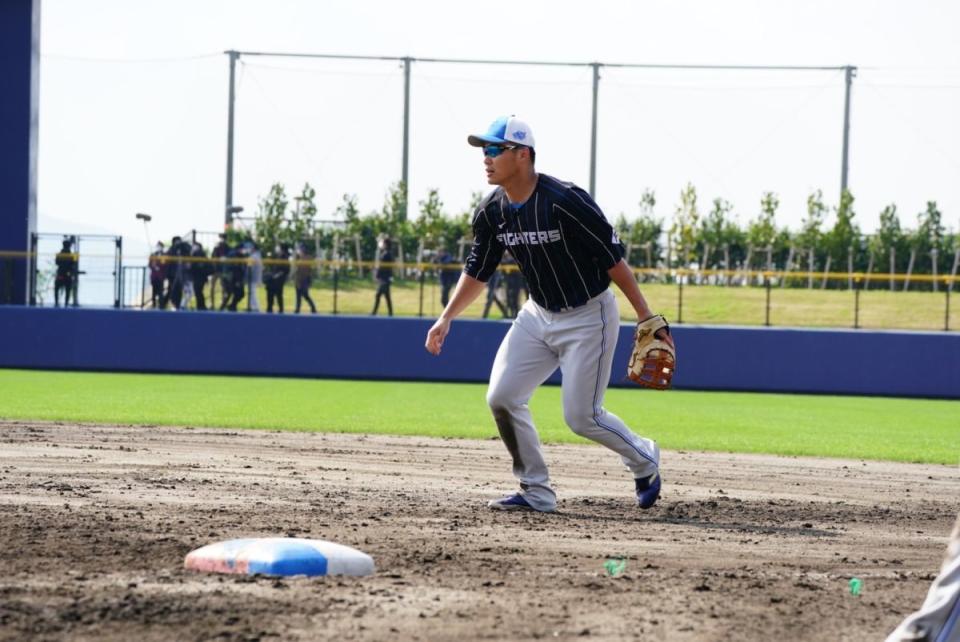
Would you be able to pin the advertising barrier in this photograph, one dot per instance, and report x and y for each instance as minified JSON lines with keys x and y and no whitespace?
{"x":857,"y":362}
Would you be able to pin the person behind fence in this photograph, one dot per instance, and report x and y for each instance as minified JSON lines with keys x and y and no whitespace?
{"x":384,"y":275}
{"x":514,"y":281}
{"x":254,"y":274}
{"x":275,"y":276}
{"x":175,"y":272}
{"x":233,"y":276}
{"x":493,"y":285}
{"x":221,"y":273}
{"x":65,"y":280}
{"x":449,"y":274}
{"x":303,"y":277}
{"x":158,"y":272}
{"x":186,"y":250}
{"x":200,"y":270}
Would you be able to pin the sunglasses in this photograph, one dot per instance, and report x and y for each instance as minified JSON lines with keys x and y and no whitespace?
{"x":492,"y":151}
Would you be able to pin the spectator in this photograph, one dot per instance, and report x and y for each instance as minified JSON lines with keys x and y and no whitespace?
{"x":221,"y":274}
{"x":384,"y":275}
{"x":65,"y":280}
{"x":254,"y":274}
{"x":493,"y":284}
{"x":175,"y":271}
{"x":233,"y":276}
{"x":158,"y":272}
{"x":275,"y":276}
{"x":302,"y":278}
{"x":448,"y":275}
{"x":200,"y":269}
{"x":186,"y":251}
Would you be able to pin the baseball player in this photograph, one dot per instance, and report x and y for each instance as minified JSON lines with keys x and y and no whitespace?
{"x":569,"y":253}
{"x":938,"y":619}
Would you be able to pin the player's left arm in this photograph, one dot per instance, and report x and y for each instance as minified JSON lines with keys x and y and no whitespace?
{"x":622,"y":275}
{"x":601,"y":240}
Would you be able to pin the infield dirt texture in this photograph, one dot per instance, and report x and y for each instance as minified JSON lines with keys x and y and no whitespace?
{"x":95,"y":522}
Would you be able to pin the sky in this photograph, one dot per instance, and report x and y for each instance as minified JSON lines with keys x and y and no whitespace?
{"x":133,"y":104}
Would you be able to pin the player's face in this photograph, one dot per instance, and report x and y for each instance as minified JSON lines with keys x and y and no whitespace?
{"x":500,"y":162}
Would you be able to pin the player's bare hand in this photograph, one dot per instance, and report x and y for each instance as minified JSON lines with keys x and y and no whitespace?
{"x":436,"y":335}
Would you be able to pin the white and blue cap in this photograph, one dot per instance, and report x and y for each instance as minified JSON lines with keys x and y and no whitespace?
{"x":504,"y":130}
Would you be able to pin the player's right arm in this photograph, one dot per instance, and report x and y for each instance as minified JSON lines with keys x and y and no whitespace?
{"x":468,"y":289}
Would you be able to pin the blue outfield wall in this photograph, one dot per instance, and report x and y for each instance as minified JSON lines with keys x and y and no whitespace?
{"x":907,"y":364}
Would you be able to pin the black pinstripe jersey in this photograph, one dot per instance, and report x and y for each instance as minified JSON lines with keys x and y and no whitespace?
{"x":560,"y":239}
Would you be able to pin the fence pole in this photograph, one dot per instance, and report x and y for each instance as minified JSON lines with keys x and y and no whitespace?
{"x":118,"y":273}
{"x":405,"y":178}
{"x":32,"y":266}
{"x":422,"y":276}
{"x":593,"y":131}
{"x":336,"y":279}
{"x":849,"y":73}
{"x":856,"y":303}
{"x":946,"y":314}
{"x":766,"y":285}
{"x":680,"y":299}
{"x":231,"y":100}
{"x":76,"y":277}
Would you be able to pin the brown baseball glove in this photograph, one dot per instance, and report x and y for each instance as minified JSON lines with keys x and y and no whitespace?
{"x":654,"y":357}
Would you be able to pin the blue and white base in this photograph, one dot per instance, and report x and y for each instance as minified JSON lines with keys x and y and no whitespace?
{"x":280,"y":556}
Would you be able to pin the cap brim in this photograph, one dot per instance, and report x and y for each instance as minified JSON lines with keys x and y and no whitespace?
{"x":480,"y":141}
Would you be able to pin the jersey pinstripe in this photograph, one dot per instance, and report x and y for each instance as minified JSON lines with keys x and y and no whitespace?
{"x":559,"y":237}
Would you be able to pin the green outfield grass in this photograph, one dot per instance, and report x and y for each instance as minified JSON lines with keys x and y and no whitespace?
{"x":702,"y":304}
{"x":910,"y":430}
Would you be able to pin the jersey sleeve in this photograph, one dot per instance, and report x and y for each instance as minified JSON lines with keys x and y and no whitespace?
{"x":486,"y":251}
{"x":584,"y":218}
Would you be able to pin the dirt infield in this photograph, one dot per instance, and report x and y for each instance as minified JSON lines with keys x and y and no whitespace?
{"x":95,"y":522}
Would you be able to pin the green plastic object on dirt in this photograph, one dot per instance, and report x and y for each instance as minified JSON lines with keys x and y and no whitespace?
{"x":855,"y":585}
{"x":615,"y":566}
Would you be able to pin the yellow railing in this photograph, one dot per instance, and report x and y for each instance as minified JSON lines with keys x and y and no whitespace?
{"x":740,"y":274}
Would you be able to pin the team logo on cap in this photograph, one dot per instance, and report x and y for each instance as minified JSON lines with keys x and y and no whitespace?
{"x":519,"y":134}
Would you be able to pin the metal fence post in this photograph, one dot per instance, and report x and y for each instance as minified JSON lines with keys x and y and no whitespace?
{"x":336,"y":278}
{"x":680,"y":299}
{"x":946,"y":314}
{"x":118,"y":273}
{"x":422,"y":277}
{"x":856,"y":303}
{"x":32,"y":266}
{"x":766,"y":285}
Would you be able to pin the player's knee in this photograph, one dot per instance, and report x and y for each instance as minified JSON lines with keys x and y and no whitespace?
{"x":580,"y":420}
{"x":499,"y":399}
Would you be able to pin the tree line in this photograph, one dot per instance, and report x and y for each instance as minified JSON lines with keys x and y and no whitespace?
{"x":694,"y":237}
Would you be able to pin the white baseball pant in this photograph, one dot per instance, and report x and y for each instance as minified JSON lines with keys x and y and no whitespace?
{"x":938,"y":620}
{"x":581,"y":342}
